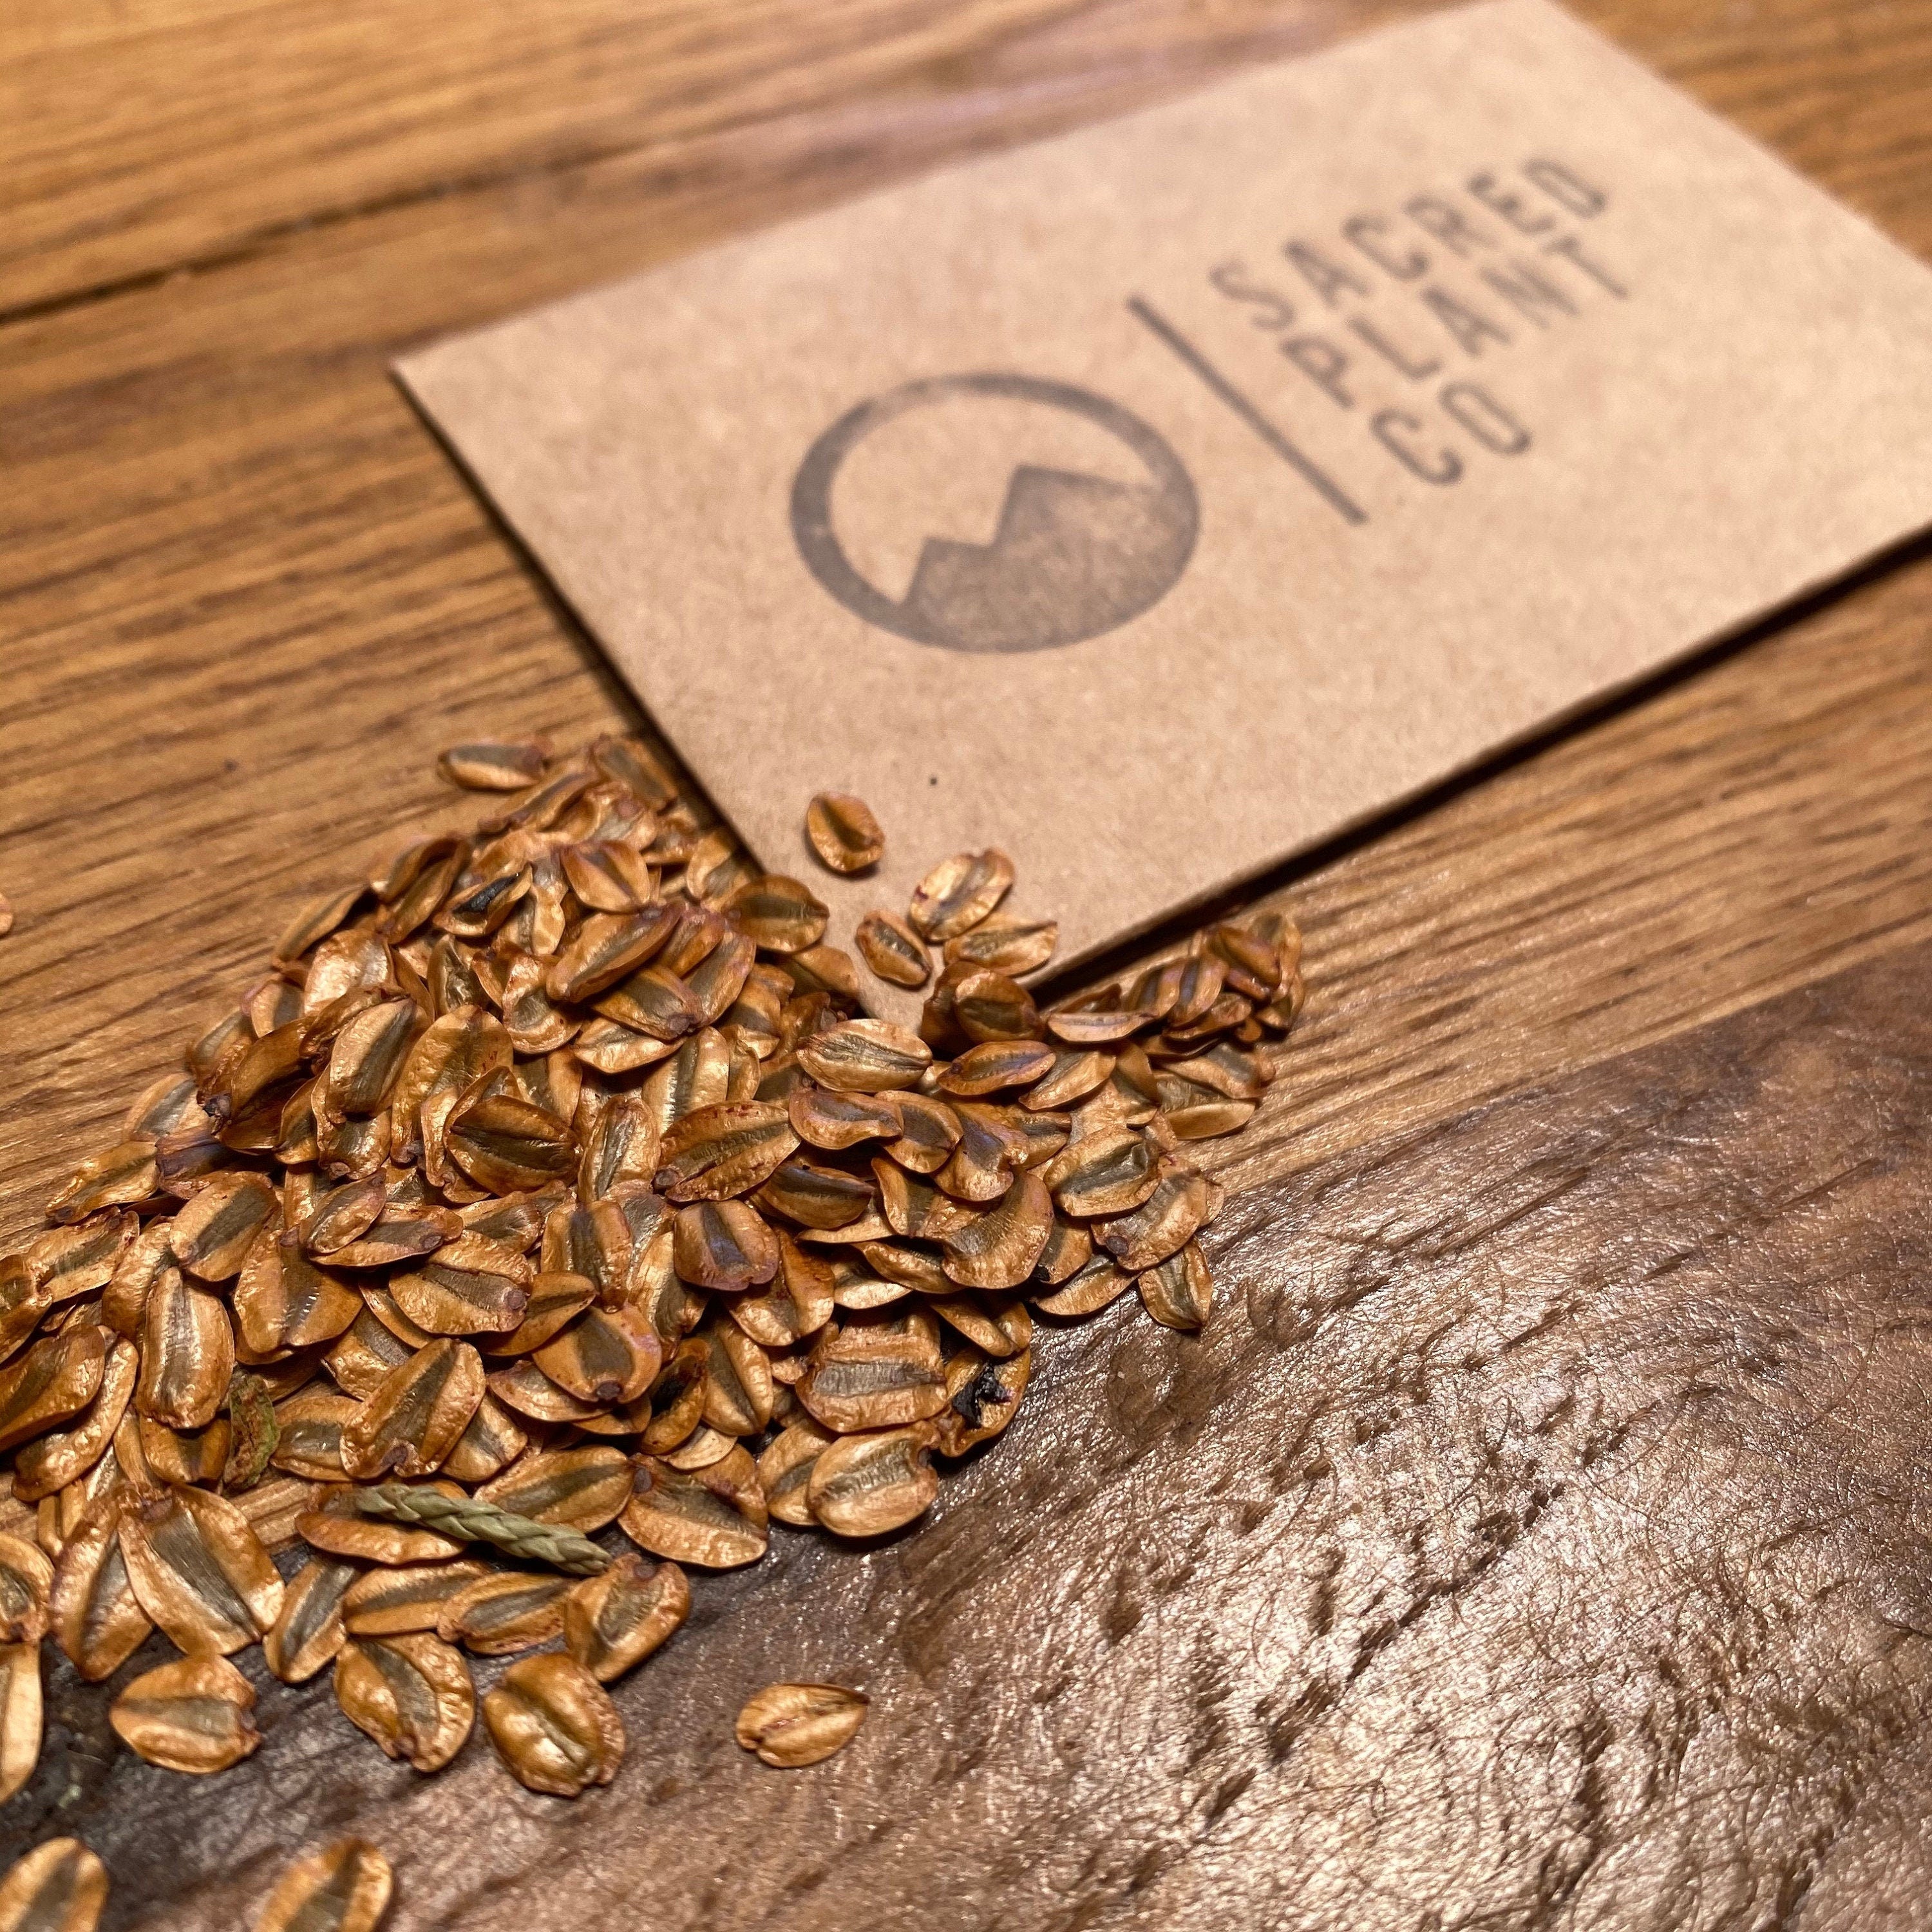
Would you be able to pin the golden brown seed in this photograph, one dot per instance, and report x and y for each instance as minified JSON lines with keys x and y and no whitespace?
{"x":580,"y":1489}
{"x":213,"y":1234}
{"x":780,"y":914}
{"x":1181,"y":1201}
{"x":638,"y":769}
{"x":875,"y":1373}
{"x":1105,"y":1172}
{"x":623,"y":1145}
{"x":606,"y":1356}
{"x":368,"y":1055}
{"x":784,"y":1469}
{"x":989,"y":1005}
{"x":473,"y":1286}
{"x":914,"y":1208}
{"x":96,"y":1619}
{"x":1179,"y":1291}
{"x":492,"y":1440}
{"x":190,"y":1715}
{"x":608,"y":876}
{"x":524,"y":1387}
{"x":504,"y":1144}
{"x":26,"y":1579}
{"x":60,"y":1886}
{"x":412,"y":1694}
{"x":494,"y":764}
{"x":1094,"y":1026}
{"x":655,"y":1002}
{"x":20,"y":1715}
{"x":309,"y":1631}
{"x":606,"y":948}
{"x":415,"y":1414}
{"x":891,"y":948}
{"x":121,"y":1176}
{"x":738,"y":1381}
{"x":1068,"y":1249}
{"x":343,"y":1888}
{"x":843,"y":831}
{"x":998,"y":1248}
{"x":814,"y":1196}
{"x":284,"y":1300}
{"x":52,"y":1461}
{"x":866,"y":1057}
{"x":554,"y":1726}
{"x":187,"y":1354}
{"x":316,"y":922}
{"x":612,"y":1622}
{"x":997,"y":1328}
{"x":799,"y":1302}
{"x":65,"y":1262}
{"x":336,"y":1526}
{"x":199,"y":1569}
{"x":22,"y":1304}
{"x":982,"y":1396}
{"x":832,"y":1121}
{"x":555,"y":1300}
{"x":677,"y":1398}
{"x":724,"y":1244}
{"x":1005,"y":945}
{"x":309,"y":1434}
{"x":714,"y":1517}
{"x":958,"y":893}
{"x":503,"y":1612}
{"x":57,"y":1378}
{"x":717,"y":1152}
{"x":386,"y":1602}
{"x":867,"y":1484}
{"x":993,"y":1065}
{"x":1098,"y":1281}
{"x":792,"y":1725}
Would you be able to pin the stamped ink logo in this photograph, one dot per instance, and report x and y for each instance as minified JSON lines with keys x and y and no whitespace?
{"x":994,"y":512}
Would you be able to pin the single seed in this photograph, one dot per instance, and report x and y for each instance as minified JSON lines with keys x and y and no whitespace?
{"x":892,"y":950}
{"x":306,"y":1636}
{"x":865,"y":1485}
{"x":20,"y":1715}
{"x":960,"y":892}
{"x":1178,"y":1291}
{"x":190,"y":1715}
{"x":412,"y":1694}
{"x":789,"y":1725}
{"x":199,"y":1569}
{"x":554,"y":1726}
{"x":344,"y":1887}
{"x":59,"y":1886}
{"x":714,"y":1518}
{"x":504,"y":1612}
{"x":843,"y":831}
{"x":866,"y":1057}
{"x":492,"y":764}
{"x":612,"y":1622}
{"x":385,"y":1602}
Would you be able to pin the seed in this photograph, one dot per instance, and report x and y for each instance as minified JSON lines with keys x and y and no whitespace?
{"x":910,"y":1266}
{"x":1068,"y":1249}
{"x":65,"y":1262}
{"x":60,"y":1886}
{"x":1178,"y":1291}
{"x":989,"y":1006}
{"x":835,"y":1121}
{"x":891,"y":948}
{"x":784,"y":1470}
{"x":121,"y":1176}
{"x":335,"y":1525}
{"x":492,"y":764}
{"x":55,"y":1379}
{"x":309,"y":1429}
{"x":998,"y":1249}
{"x":554,"y":1726}
{"x":20,"y":1715}
{"x":993,"y":1065}
{"x":866,"y":1057}
{"x":724,"y":1244}
{"x":343,"y":1888}
{"x":993,"y":1146}
{"x":608,"y":876}
{"x":504,"y":1144}
{"x":96,"y":1618}
{"x":1181,"y":1201}
{"x":914,"y":1208}
{"x":413,"y":1419}
{"x":1096,"y":1283}
{"x":54,"y":1460}
{"x":1108,"y":1172}
{"x":309,"y":1631}
{"x":882,"y":1374}
{"x":213,"y":1234}
{"x":996,"y":1328}
{"x":612,"y":1622}
{"x":504,"y":1611}
{"x":957,"y":893}
{"x":780,"y":914}
{"x":524,"y":1387}
{"x":606,"y":1356}
{"x":607,"y":947}
{"x":798,"y":1302}
{"x":677,"y":1398}
{"x":26,"y":1578}
{"x":412,"y":1694}
{"x":623,"y":1145}
{"x":983,"y":1395}
{"x":190,"y":1715}
{"x":714,"y":1517}
{"x":792,"y":1725}
{"x":865,"y":1485}
{"x":843,"y":831}
{"x":393,"y":1602}
{"x":738,"y":1382}
{"x":473,"y":1286}
{"x":491,"y":1440}
{"x":581,"y":1488}
{"x":816,"y":1196}
{"x":928,"y":1132}
{"x":199,"y":1569}
{"x":1005,"y":945}
{"x":719,"y":1152}
{"x":283,"y":1301}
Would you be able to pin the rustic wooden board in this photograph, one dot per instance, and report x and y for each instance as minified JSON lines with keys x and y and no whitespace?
{"x":1536,"y":1535}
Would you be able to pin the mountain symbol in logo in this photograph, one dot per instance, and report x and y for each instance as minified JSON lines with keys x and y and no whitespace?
{"x":1073,"y":554}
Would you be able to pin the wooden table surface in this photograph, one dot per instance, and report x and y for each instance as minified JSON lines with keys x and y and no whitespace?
{"x":1539,"y":1535}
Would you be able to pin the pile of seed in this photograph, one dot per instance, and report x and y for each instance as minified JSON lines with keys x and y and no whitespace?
{"x":549,"y":1180}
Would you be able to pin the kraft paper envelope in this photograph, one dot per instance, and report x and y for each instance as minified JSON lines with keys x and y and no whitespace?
{"x":1156,"y":500}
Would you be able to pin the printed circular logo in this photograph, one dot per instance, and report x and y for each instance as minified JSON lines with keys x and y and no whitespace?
{"x":994,"y":513}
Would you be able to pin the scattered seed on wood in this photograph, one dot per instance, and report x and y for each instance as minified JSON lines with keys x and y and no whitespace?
{"x":190,"y":1715}
{"x":412,"y":1694}
{"x":554,"y":1726}
{"x":792,"y":1725}
{"x":494,"y":765}
{"x":344,"y":1887}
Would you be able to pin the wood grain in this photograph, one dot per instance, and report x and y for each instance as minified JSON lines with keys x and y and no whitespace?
{"x":1533,"y":1537}
{"x":245,"y":600}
